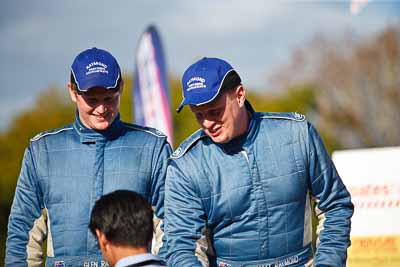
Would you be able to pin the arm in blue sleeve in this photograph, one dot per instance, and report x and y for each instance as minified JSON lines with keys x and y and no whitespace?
{"x":333,"y":205}
{"x":24,"y":238}
{"x":184,"y":217}
{"x":160,"y":163}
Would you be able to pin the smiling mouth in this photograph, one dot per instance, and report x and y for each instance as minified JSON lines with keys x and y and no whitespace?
{"x":101,"y":117}
{"x":215,"y":133}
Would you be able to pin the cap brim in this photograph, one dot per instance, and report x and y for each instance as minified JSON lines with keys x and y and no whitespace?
{"x":181,"y":105}
{"x":97,"y":80}
{"x":198,"y":99}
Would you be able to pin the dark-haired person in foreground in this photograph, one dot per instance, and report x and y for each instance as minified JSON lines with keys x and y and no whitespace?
{"x":246,"y":180}
{"x":122,"y":221}
{"x":64,"y":171}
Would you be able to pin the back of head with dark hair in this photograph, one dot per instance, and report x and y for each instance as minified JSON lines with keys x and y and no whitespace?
{"x":124,"y":217}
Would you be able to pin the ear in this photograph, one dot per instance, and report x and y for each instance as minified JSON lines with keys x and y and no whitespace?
{"x":240,"y":95}
{"x":72,"y":93}
{"x":103,"y":242}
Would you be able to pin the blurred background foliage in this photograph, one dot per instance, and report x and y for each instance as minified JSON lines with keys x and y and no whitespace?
{"x":349,"y":89}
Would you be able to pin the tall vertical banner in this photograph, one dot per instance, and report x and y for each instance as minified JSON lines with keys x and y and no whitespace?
{"x":151,"y":91}
{"x":372,"y":177}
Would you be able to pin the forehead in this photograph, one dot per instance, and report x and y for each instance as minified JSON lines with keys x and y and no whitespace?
{"x":100,"y":91}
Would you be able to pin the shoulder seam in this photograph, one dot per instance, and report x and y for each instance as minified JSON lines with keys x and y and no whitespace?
{"x":157,"y":133}
{"x":297,"y":117}
{"x":179,"y":152}
{"x":40,"y":135}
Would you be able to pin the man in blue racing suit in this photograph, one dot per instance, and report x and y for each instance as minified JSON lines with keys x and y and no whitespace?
{"x":240,"y":189}
{"x":66,"y":170}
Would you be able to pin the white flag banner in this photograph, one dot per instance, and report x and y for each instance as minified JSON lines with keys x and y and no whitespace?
{"x":373,"y":178}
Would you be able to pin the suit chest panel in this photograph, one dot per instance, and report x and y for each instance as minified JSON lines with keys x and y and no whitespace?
{"x":72,"y":180}
{"x":260,"y":175}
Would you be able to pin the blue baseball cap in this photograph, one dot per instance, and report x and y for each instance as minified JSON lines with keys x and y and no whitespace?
{"x":203,"y":80}
{"x":95,"y":67}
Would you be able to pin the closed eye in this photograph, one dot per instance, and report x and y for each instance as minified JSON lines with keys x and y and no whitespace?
{"x":215,"y":112}
{"x":91,"y":101}
{"x":198,"y":116}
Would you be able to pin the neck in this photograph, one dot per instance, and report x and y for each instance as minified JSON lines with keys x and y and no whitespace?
{"x":244,"y":122}
{"x":119,"y":252}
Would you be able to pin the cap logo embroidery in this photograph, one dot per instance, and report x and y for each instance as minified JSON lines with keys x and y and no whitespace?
{"x":96,"y":67}
{"x":196,"y":83}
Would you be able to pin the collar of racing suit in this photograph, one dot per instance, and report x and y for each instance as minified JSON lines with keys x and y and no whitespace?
{"x":91,"y":136}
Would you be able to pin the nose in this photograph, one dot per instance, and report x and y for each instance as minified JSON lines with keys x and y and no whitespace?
{"x":101,"y":109}
{"x":207,"y":124}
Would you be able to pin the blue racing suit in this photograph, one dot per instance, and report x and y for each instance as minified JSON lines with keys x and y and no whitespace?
{"x":64,"y":171}
{"x":248,"y":202}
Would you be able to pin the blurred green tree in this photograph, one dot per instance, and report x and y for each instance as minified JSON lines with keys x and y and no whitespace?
{"x":357,"y":86}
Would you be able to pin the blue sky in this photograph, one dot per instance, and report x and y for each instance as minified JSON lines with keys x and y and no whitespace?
{"x":39,"y":39}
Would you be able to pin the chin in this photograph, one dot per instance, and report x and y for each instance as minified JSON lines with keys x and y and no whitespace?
{"x":101,"y":126}
{"x":220,"y":139}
